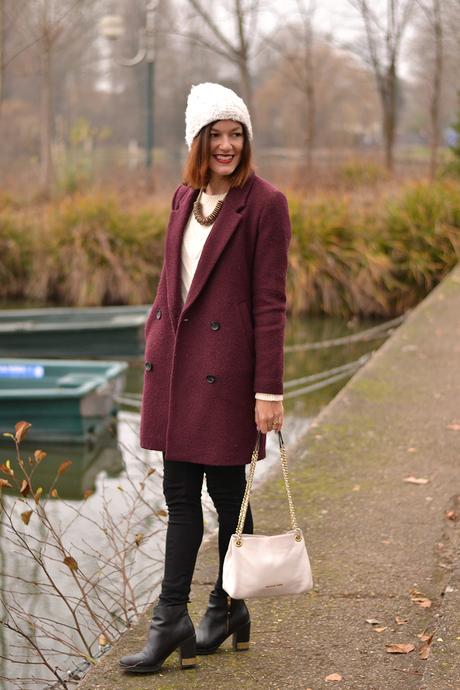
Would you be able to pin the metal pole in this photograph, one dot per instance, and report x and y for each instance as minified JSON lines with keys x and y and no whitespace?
{"x":150,"y":59}
{"x":149,"y":123}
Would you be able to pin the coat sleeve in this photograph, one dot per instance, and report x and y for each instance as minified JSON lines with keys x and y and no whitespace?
{"x":269,"y":293}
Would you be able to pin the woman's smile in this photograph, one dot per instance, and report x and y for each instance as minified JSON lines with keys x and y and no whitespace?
{"x":224,"y":159}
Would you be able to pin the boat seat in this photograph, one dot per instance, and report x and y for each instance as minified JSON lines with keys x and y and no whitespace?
{"x":75,"y":380}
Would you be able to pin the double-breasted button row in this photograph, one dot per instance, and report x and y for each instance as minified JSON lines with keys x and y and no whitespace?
{"x":215,"y":325}
{"x":158,"y":314}
{"x":148,"y":366}
{"x":210,"y":378}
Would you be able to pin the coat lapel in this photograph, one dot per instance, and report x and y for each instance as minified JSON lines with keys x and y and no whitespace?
{"x":176,"y":227}
{"x":222,"y":230}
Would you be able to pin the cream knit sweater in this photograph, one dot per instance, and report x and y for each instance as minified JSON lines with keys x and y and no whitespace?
{"x":195,"y":236}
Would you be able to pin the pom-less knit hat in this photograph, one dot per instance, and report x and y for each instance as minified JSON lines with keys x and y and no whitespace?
{"x":209,"y":102}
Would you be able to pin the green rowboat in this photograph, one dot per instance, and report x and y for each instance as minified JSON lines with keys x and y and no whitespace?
{"x":73,"y":332}
{"x":64,"y":400}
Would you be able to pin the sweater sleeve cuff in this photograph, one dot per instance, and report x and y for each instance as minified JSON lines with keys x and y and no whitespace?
{"x":268,"y":396}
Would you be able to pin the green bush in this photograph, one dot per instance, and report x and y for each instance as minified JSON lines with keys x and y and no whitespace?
{"x":358,"y":172}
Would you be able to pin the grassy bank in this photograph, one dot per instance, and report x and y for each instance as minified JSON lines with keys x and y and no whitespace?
{"x":350,"y":254}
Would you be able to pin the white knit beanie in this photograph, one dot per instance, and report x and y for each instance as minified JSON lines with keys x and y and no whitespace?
{"x":209,"y":102}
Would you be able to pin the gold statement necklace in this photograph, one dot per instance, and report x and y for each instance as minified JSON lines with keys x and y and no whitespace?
{"x":198,"y":210}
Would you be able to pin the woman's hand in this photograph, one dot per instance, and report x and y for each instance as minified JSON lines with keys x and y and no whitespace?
{"x":269,"y":415}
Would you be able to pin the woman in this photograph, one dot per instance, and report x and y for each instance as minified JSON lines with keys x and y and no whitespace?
{"x":214,"y":361}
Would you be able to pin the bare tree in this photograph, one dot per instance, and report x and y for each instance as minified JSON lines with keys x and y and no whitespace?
{"x":243,"y":15}
{"x":433,"y":13}
{"x":302,"y":68}
{"x":384,"y":36}
{"x":48,"y":25}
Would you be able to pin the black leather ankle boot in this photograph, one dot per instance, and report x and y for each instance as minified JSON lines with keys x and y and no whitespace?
{"x":171,"y":628}
{"x":224,"y":617}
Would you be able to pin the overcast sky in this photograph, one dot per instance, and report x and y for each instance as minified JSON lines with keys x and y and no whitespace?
{"x":335,"y":17}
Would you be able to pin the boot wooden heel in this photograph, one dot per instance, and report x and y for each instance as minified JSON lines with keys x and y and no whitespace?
{"x":187,"y":653}
{"x":241,"y":638}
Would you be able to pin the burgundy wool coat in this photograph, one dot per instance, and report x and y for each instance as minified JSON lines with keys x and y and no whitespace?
{"x":205,"y":360}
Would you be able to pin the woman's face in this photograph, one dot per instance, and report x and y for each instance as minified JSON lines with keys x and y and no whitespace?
{"x":227,"y":139}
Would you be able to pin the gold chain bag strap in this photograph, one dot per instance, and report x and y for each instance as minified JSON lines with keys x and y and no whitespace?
{"x":257,"y":565}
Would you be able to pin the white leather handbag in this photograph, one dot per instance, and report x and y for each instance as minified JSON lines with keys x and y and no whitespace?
{"x":256,"y":565}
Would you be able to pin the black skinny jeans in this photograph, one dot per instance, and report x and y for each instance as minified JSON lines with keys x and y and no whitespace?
{"x":182,"y":484}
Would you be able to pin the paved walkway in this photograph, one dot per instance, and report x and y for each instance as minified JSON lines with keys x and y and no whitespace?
{"x":381,"y":547}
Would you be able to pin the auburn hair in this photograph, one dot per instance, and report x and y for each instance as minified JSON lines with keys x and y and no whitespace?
{"x":197,"y":173}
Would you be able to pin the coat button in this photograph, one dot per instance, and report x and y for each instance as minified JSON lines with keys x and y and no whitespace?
{"x":215,"y":325}
{"x":158,"y":314}
{"x":148,"y":366}
{"x":210,"y":379}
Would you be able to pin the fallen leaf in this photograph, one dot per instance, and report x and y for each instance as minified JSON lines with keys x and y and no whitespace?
{"x":424,"y":636}
{"x":412,"y":450}
{"x":21,"y":429}
{"x":102,"y":640}
{"x":416,"y":480}
{"x":424,"y":602}
{"x":63,"y":467}
{"x":424,"y":650}
{"x":357,"y":487}
{"x":452,"y":515}
{"x":26,"y":515}
{"x":400,"y":648}
{"x":161,"y":513}
{"x":380,"y":628}
{"x":71,"y":563}
{"x":372,"y":621}
{"x":453,"y":427}
{"x":400,"y":621}
{"x":333,"y":676}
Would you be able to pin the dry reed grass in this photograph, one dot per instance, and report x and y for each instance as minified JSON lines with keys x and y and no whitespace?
{"x":375,"y":251}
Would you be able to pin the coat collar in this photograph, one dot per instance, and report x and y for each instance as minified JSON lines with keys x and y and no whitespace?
{"x":221,"y":232}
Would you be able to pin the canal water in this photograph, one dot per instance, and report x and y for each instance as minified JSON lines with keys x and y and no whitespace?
{"x":88,"y":566}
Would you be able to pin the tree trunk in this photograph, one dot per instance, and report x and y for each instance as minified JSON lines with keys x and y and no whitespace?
{"x":46,"y":164}
{"x":311,"y":128}
{"x":389,"y":107}
{"x":437,"y":85}
{"x":246,"y":85}
{"x":310,"y":96}
{"x":2,"y":52}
